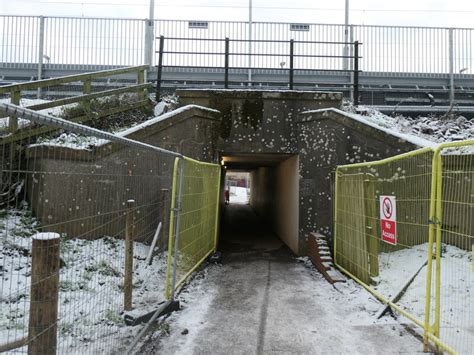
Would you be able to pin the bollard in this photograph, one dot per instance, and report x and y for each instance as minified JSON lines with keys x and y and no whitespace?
{"x":128,"y":274}
{"x":42,"y":328}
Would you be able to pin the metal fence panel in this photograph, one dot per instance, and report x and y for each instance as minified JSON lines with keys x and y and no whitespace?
{"x":454,"y":320}
{"x":427,"y":275}
{"x":108,"y":41}
{"x":194,"y":235}
{"x":359,"y":248}
{"x":93,"y":195}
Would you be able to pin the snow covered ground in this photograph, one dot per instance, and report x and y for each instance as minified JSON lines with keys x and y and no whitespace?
{"x":436,"y":129}
{"x":234,"y":309}
{"x":457,"y":285}
{"x":91,"y":286}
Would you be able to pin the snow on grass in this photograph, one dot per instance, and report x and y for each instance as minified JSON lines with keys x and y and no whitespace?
{"x":457,"y":286}
{"x":71,"y":140}
{"x":90,"y":283}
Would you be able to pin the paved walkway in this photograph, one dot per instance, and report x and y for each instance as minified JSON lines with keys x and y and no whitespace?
{"x":263,"y":300}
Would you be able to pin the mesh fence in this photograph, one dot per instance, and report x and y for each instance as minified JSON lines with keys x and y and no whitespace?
{"x":197,"y":202}
{"x":386,"y":265}
{"x":76,"y":224}
{"x":454,"y":323}
{"x":424,"y":270}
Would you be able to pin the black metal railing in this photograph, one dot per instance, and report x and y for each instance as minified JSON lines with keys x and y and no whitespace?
{"x":187,"y":53}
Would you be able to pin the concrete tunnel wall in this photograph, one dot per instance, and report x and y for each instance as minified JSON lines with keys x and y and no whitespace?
{"x":274,"y":196}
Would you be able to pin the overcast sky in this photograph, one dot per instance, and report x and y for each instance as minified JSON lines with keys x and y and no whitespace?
{"x":442,"y":13}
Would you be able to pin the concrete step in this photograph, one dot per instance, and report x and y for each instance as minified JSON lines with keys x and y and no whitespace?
{"x":328,"y":264}
{"x":336,"y":276}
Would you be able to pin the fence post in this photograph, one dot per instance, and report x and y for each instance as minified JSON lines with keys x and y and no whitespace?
{"x":226,"y":63}
{"x":351,"y":63}
{"x":292,"y":42}
{"x":356,"y":74}
{"x":128,"y":274}
{"x":87,"y":89}
{"x":451,"y":67}
{"x":40,"y":52}
{"x":164,"y":195}
{"x":141,"y":80}
{"x":178,"y":225}
{"x":42,"y":328}
{"x":13,"y":120}
{"x":371,"y":226}
{"x":160,"y":69}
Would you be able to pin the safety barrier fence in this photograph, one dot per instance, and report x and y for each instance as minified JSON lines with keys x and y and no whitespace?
{"x":84,"y":229}
{"x":404,"y":230}
{"x":293,"y":59}
{"x":46,"y":42}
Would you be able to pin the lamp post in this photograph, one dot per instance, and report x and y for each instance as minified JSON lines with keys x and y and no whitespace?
{"x":346,"y":37}
{"x":250,"y":45}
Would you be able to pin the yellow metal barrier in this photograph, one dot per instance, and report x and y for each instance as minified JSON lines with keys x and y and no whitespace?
{"x":396,"y":216}
{"x":193,"y":221}
{"x":454,"y":279}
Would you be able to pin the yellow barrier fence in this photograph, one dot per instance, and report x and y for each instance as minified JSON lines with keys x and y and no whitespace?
{"x":404,"y":230}
{"x":193,"y":221}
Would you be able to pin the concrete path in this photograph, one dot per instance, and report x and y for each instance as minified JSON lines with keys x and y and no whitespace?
{"x":263,"y":300}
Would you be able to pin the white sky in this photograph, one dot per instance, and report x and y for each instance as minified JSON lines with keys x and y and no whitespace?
{"x":440,"y":13}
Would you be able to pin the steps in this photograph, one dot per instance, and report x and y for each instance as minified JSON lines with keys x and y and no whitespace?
{"x":320,"y":256}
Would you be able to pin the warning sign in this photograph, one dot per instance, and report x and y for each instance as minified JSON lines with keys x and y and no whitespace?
{"x":388,"y":219}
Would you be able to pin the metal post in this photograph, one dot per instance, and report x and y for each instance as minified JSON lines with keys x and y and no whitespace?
{"x":164,"y":196}
{"x":149,"y":35}
{"x":351,"y":63}
{"x":42,"y":328}
{"x":177,"y":229}
{"x":226,"y":63}
{"x":250,"y":45}
{"x":160,"y":68}
{"x":292,"y":42}
{"x":128,"y":274}
{"x":40,"y":52}
{"x":451,"y":68}
{"x":345,"y":60}
{"x":356,"y":74}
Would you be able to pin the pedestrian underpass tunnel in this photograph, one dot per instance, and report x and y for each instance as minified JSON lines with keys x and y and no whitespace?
{"x":273,"y":187}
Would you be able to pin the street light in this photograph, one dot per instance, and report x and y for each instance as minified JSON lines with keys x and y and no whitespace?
{"x":346,"y":37}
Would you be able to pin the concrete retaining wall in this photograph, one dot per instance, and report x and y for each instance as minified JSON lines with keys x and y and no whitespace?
{"x":83,"y":193}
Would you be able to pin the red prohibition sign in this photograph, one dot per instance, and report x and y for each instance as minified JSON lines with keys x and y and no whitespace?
{"x":387,"y":208}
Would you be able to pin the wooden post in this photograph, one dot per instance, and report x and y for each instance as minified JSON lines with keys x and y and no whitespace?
{"x":128,"y":274}
{"x":87,"y":89}
{"x":141,"y":80}
{"x":13,"y":121}
{"x":371,"y":225}
{"x":42,"y":329}
{"x":164,"y":195}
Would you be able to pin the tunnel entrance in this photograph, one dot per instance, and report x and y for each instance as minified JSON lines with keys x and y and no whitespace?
{"x":271,"y":215}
